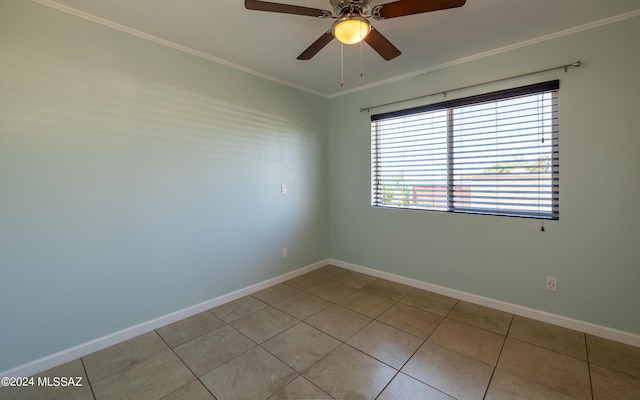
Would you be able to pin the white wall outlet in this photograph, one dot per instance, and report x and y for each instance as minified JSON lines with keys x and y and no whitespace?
{"x":284,"y":252}
{"x":552,"y":283}
{"x":283,"y":188}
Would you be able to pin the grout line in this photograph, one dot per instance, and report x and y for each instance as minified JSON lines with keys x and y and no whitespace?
{"x":399,"y":370}
{"x":183,"y":363}
{"x":136,"y":362}
{"x":388,"y":383}
{"x":451,"y":309}
{"x":87,"y":375}
{"x":586,"y":348}
{"x":548,"y":349}
{"x":205,"y":387}
{"x":344,"y":342}
{"x":504,"y":342}
{"x":303,"y":321}
{"x":604,"y":332}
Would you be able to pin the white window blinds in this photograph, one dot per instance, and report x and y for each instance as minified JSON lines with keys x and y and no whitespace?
{"x":495,"y":153}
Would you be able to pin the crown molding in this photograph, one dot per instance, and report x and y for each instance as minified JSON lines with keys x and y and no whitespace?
{"x":197,"y":53}
{"x":530,"y":42}
{"x":142,"y":35}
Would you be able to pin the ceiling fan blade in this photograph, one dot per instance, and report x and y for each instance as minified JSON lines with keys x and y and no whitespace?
{"x":381,"y":45}
{"x":316,"y":46}
{"x":408,"y":7}
{"x":285,"y":8}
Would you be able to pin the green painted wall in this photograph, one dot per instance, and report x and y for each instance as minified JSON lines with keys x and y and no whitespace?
{"x":136,"y":180}
{"x":593,"y":250}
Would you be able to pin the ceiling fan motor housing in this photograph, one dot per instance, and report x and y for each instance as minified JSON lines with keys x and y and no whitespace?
{"x":352,"y":25}
{"x":359,"y":7}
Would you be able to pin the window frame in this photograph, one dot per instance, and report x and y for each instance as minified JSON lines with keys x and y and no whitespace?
{"x":552,"y":87}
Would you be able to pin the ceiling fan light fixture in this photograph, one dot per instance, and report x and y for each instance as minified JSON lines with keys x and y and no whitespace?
{"x":351,"y":29}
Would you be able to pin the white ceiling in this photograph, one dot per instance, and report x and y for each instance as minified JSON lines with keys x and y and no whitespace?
{"x":267,"y":44}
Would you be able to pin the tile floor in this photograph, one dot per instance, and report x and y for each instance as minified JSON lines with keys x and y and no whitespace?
{"x":340,"y":334}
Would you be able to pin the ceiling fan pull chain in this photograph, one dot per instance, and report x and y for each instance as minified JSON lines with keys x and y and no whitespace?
{"x":341,"y":65}
{"x":361,"y":68}
{"x":361,"y":72}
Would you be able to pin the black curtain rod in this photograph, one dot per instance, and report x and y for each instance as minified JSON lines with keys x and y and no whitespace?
{"x":444,"y":92}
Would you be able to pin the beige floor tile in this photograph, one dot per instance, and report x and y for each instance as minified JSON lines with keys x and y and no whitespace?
{"x":332,"y":291}
{"x":300,"y":388}
{"x":612,"y":385}
{"x":391,"y":290}
{"x":347,"y":373}
{"x":429,"y":301}
{"x":410,"y":319}
{"x":457,"y":375}
{"x":238,"y":308}
{"x":305,"y":282}
{"x":301,"y":346}
{"x":506,"y":386}
{"x":213,"y":349}
{"x":338,"y":322}
{"x":469,"y":340}
{"x":482,"y":317}
{"x":42,"y":391}
{"x":368,"y":304}
{"x":264,"y":324}
{"x":385,"y":343}
{"x":47,"y":392}
{"x":354,"y":279}
{"x":328,"y":271}
{"x":405,"y":387}
{"x":255,"y":375}
{"x":123,"y":355}
{"x":275,"y":293}
{"x":552,"y":337}
{"x":450,"y":372}
{"x":150,"y":379}
{"x":557,"y":371}
{"x":538,"y":361}
{"x":80,"y":393}
{"x":613,"y":355}
{"x":302,"y":305}
{"x":193,"y":391}
{"x":189,"y":328}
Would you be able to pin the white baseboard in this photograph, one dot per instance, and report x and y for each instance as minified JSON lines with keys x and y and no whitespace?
{"x":92,"y":346}
{"x":581,"y":326}
{"x":64,"y":356}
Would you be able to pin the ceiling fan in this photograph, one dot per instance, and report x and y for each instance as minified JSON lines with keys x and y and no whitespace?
{"x":352,"y":25}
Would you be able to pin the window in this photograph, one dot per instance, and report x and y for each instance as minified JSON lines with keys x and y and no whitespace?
{"x":495,"y":153}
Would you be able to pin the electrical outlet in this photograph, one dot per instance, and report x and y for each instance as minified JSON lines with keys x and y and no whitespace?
{"x":284,"y":252}
{"x":283,"y":188}
{"x":552,"y":283}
